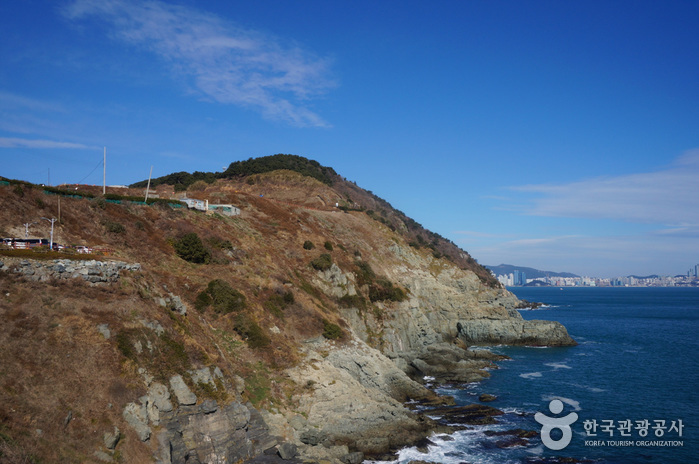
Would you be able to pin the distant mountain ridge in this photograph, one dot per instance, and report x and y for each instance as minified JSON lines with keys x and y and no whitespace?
{"x":531,"y":273}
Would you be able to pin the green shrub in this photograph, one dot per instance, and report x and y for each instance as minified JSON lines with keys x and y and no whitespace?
{"x":331,"y":331}
{"x":352,"y":301}
{"x":322,"y":262}
{"x":382,"y":290}
{"x":125,"y":347}
{"x":328,"y":246}
{"x":224,"y":298}
{"x":248,"y":328}
{"x":190,"y":248}
{"x":203,"y":301}
{"x":114,"y":227}
{"x":364,"y":273}
{"x":308,"y":245}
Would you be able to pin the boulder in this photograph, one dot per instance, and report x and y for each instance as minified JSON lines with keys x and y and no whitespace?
{"x":287,"y":451}
{"x":184,"y":395}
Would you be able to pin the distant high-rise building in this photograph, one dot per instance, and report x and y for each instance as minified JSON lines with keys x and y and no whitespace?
{"x":520,"y":278}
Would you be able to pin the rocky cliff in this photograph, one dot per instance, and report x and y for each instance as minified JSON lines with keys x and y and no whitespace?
{"x":302,"y":333}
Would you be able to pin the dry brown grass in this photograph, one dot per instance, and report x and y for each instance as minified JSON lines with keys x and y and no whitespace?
{"x":54,"y":361}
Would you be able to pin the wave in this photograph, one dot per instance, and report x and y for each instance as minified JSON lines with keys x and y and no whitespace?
{"x":588,"y":388}
{"x":558,"y":365}
{"x":462,"y":446}
{"x":531,"y":375}
{"x":568,"y":401}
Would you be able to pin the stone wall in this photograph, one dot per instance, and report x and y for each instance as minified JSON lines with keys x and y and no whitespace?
{"x":92,"y":271}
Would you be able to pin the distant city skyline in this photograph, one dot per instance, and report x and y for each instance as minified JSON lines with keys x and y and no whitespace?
{"x":519,"y":278}
{"x":558,"y":134}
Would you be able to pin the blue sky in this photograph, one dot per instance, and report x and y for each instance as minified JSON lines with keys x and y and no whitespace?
{"x":557,"y":135}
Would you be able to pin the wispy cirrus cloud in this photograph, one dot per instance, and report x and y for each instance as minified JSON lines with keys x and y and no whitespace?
{"x":12,"y":142}
{"x":226,"y":63}
{"x":665,"y":196}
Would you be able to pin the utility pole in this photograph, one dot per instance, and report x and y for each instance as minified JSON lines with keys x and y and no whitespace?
{"x":26,"y":228}
{"x":104,"y":172}
{"x":148,"y":186}
{"x":52,"y":220}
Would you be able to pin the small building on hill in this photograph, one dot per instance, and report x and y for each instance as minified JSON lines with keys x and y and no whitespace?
{"x":226,"y":210}
{"x":203,"y":205}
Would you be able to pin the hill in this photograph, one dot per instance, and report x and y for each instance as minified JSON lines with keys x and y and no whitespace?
{"x":248,"y":176}
{"x":198,"y":336}
{"x":531,"y":273}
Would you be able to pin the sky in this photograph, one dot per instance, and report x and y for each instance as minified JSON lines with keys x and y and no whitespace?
{"x":559,"y":135}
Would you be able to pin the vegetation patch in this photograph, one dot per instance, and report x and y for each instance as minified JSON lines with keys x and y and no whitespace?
{"x":352,"y":301}
{"x":278,"y":302}
{"x":248,"y":328}
{"x":322,"y":262}
{"x":331,"y":331}
{"x":382,"y":290}
{"x":224,"y":298}
{"x":114,"y":227}
{"x":190,"y":248}
{"x":308,"y":245}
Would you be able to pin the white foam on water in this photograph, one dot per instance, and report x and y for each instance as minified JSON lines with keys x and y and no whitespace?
{"x":588,"y":388}
{"x":531,"y":375}
{"x":558,"y":365}
{"x":568,"y":401}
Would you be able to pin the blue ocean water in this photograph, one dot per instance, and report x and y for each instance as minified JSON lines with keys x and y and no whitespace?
{"x":636,"y":360}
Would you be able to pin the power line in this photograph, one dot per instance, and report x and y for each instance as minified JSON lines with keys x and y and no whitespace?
{"x":91,"y":172}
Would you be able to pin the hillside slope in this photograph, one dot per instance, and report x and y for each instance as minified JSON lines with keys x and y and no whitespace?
{"x":298,"y":323}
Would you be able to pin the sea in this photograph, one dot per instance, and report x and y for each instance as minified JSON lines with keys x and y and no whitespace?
{"x":628,"y":390}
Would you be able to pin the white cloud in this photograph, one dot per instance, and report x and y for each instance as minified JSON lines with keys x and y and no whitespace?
{"x":667,"y":196}
{"x":10,"y":142}
{"x":225,"y":63}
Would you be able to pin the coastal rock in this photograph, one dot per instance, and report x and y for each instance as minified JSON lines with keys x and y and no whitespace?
{"x":514,"y":332}
{"x":486,"y":398}
{"x":342,"y":409}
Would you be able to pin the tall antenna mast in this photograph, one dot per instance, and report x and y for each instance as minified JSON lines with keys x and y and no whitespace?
{"x":104,"y":172}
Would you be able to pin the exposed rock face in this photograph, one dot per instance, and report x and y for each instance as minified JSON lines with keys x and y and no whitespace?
{"x":352,"y":399}
{"x":212,"y":434}
{"x":445,"y":303}
{"x":355,"y":391}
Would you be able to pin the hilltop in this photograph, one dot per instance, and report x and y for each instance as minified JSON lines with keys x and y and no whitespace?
{"x":331,"y":191}
{"x":301,"y":325}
